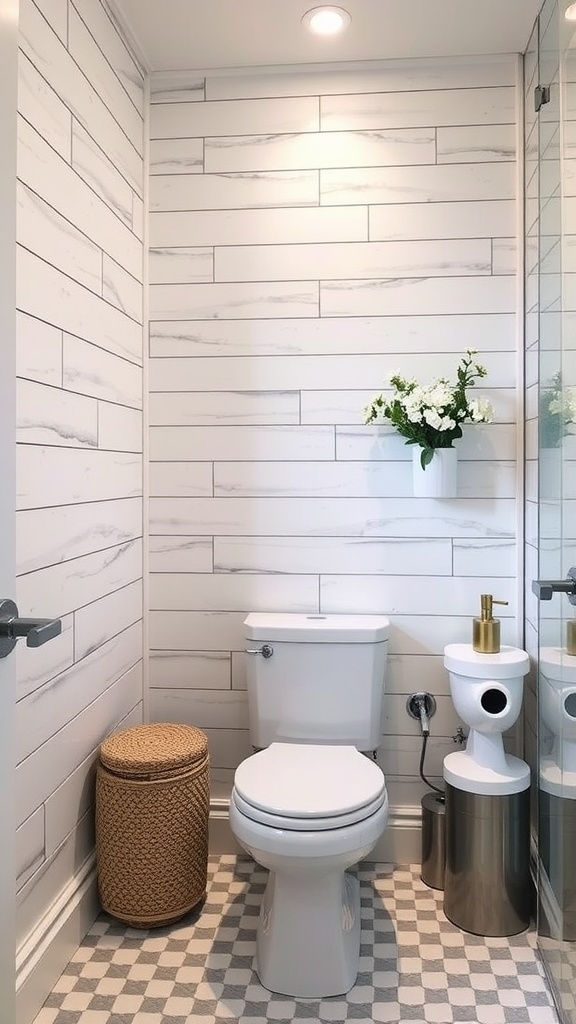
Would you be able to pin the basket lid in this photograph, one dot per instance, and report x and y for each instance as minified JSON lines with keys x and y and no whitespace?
{"x":163,"y":746}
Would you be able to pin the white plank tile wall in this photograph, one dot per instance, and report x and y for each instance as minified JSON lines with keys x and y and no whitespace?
{"x":79,"y":523}
{"x":311,"y":233}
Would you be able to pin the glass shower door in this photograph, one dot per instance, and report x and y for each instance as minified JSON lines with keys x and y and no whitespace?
{"x":556,"y":684}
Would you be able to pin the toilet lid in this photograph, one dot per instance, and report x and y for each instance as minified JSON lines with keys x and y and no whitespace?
{"x":308,"y":781}
{"x":308,"y":824}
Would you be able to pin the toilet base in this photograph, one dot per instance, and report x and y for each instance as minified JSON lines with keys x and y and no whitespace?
{"x":317,"y":920}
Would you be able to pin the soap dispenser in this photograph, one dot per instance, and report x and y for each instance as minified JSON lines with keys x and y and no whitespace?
{"x":486,"y":629}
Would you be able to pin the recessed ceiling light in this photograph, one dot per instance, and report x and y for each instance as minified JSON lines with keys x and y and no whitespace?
{"x":326,"y":21}
{"x":570,"y":13}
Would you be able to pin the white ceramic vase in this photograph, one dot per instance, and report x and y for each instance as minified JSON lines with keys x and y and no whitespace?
{"x":439,"y":479}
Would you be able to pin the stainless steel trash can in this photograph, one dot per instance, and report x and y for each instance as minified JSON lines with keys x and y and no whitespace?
{"x":487,"y":888}
{"x":433,"y":840}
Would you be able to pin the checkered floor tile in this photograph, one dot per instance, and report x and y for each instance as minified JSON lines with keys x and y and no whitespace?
{"x":415,"y":966}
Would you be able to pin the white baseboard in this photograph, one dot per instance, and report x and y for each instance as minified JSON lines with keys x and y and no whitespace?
{"x":43,"y":955}
{"x":400,"y":844}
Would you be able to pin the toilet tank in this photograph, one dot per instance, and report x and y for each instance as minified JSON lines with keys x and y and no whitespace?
{"x":322,"y":683}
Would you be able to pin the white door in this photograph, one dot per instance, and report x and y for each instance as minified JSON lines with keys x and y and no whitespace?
{"x":8,"y":97}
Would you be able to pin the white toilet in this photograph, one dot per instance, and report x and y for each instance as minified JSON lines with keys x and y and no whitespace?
{"x":309,"y":804}
{"x":557,"y":698}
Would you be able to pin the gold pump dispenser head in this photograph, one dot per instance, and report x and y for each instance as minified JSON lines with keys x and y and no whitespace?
{"x":486,"y":629}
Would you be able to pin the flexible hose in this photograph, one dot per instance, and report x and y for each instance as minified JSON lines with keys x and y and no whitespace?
{"x":436,"y":789}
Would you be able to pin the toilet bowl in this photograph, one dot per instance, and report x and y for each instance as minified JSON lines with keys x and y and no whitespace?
{"x":308,"y":835}
{"x":310,"y":804}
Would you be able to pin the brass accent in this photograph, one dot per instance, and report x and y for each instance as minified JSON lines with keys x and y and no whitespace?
{"x":571,"y":636}
{"x":486,"y":629}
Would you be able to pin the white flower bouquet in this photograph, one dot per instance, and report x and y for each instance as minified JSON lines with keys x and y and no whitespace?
{"x":432,"y":416}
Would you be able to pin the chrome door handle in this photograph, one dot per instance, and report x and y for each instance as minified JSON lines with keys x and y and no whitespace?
{"x":36,"y":631}
{"x":543,"y":589}
{"x":266,"y":650}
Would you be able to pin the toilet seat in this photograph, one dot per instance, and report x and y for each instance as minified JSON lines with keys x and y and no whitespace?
{"x":308,"y":787}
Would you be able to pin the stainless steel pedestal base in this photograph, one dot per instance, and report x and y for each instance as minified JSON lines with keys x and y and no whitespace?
{"x":487,"y":888}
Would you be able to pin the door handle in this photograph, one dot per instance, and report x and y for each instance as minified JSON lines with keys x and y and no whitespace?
{"x":36,"y":631}
{"x":545,"y":588}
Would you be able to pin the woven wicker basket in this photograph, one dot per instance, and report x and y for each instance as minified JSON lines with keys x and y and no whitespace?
{"x":152,"y":803}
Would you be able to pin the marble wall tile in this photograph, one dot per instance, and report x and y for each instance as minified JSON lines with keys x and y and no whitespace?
{"x":180,"y":554}
{"x":66,"y":476}
{"x":397,"y":595}
{"x":56,"y":14}
{"x":493,"y":556}
{"x":37,"y":665}
{"x":173,"y":190}
{"x":365,"y":372}
{"x":185,"y":670}
{"x":175,"y":156}
{"x":47,"y":536}
{"x":229,"y":407}
{"x":264,"y":443}
{"x":96,"y":623}
{"x":431,"y":295}
{"x":68,"y":585}
{"x":46,"y":293}
{"x":479,"y":143}
{"x":479,"y":219}
{"x":91,"y":370}
{"x":212,"y":710}
{"x":373,"y":111}
{"x":30,"y":849}
{"x":316,"y":150}
{"x":84,"y":50}
{"x":397,"y":77}
{"x":46,"y":174}
{"x":237,"y":117}
{"x":55,"y":64}
{"x":452,"y":258}
{"x":253,"y":227}
{"x":242,"y":301}
{"x":42,"y":230}
{"x":121,"y":289}
{"x":181,"y":479}
{"x":467,"y":182}
{"x":93,"y":166}
{"x":119,"y":429}
{"x":39,"y":351}
{"x":47,"y":415}
{"x":79,"y":362}
{"x":65,"y":697}
{"x":98,"y":21}
{"x":331,"y":336}
{"x":41,"y":106}
{"x":70,"y":803}
{"x":186,"y":264}
{"x":202,"y":631}
{"x":341,"y":555}
{"x":169,"y":87}
{"x":216,"y":591}
{"x":367,"y":517}
{"x":47,"y":767}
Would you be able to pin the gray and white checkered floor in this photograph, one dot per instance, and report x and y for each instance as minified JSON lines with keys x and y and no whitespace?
{"x":415,"y":966}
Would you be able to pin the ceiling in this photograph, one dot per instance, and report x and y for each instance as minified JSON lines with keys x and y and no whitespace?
{"x":202,"y":34}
